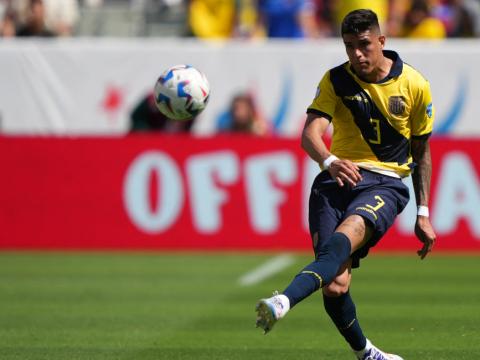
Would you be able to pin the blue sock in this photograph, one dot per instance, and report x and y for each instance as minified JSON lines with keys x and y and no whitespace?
{"x":342,"y":311}
{"x":332,"y":254}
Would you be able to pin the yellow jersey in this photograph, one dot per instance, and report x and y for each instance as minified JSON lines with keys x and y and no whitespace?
{"x":374,"y":122}
{"x":343,"y":7}
{"x":212,"y":19}
{"x":430,"y":28}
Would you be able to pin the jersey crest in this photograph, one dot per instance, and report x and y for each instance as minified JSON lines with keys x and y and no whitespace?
{"x":396,"y":105}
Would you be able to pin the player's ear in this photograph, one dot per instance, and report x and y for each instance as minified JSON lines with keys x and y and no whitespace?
{"x":381,"y":40}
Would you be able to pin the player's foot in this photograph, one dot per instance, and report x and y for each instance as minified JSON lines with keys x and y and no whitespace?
{"x":270,"y":310}
{"x":371,"y":352}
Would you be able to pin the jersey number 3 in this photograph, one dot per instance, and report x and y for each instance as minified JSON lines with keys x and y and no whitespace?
{"x":376,"y":128}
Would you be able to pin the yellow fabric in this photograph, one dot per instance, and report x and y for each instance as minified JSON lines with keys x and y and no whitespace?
{"x":212,"y":18}
{"x":430,"y":28}
{"x":415,"y":118}
{"x":380,"y":7}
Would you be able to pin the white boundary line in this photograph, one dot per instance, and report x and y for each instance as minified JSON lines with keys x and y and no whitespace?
{"x":266,"y":270}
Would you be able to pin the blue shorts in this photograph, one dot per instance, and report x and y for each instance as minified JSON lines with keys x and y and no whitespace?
{"x":377,"y":198}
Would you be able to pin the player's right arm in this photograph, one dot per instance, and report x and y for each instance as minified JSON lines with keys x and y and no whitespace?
{"x":342,"y":170}
{"x":320,"y":114}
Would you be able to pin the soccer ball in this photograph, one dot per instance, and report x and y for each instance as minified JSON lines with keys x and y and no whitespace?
{"x":181,"y":92}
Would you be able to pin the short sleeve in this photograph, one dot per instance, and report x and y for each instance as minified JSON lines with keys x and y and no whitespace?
{"x":423,"y":113}
{"x":325,"y":99}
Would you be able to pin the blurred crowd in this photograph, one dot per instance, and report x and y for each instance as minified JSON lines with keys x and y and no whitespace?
{"x":322,"y":18}
{"x":246,"y":19}
{"x":242,"y":117}
{"x":44,"y":18}
{"x":226,"y":19}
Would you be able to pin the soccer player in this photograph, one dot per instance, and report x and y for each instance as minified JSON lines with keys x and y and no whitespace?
{"x":382,"y":116}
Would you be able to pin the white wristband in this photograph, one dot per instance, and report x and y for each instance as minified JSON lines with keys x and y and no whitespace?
{"x":423,"y":211}
{"x":328,"y":161}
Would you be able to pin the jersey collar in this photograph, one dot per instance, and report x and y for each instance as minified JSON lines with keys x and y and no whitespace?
{"x":395,"y":70}
{"x":397,"y":66}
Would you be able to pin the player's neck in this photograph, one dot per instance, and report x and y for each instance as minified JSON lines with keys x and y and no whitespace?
{"x":381,"y":70}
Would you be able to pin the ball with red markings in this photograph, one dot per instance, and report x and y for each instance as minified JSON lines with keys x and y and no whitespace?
{"x":181,"y":92}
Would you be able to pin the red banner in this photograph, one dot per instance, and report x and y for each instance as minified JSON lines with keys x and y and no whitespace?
{"x":222,"y":193}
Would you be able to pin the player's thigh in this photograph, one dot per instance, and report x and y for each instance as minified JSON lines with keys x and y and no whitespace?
{"x":325,"y":209}
{"x":357,"y":229}
{"x":373,"y":211}
{"x":341,"y":283}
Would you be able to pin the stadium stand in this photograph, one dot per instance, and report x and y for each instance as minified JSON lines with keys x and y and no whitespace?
{"x":122,"y":18}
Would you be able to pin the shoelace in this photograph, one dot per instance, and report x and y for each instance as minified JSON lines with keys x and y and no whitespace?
{"x":373,"y":354}
{"x":277,"y":303}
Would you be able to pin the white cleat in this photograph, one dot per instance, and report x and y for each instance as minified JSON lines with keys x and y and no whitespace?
{"x":270,"y":310}
{"x":374,"y":353}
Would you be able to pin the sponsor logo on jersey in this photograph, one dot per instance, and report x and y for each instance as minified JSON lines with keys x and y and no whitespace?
{"x":357,"y":97}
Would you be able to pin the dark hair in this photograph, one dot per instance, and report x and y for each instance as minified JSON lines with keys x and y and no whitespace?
{"x":242,"y":97}
{"x":358,"y":21}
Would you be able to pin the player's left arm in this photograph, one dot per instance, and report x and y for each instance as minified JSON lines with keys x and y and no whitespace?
{"x":422,"y":116}
{"x":421,"y":183}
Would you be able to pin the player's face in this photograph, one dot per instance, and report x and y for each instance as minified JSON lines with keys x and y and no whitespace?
{"x":364,"y":51}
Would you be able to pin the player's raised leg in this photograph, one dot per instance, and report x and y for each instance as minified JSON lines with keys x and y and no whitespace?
{"x":330,"y":256}
{"x":315,"y":275}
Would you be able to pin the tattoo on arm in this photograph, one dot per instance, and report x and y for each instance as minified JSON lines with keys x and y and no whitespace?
{"x":423,"y":172}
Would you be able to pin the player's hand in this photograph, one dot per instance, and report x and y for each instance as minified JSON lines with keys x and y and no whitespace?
{"x":345,"y":172}
{"x":424,"y":232}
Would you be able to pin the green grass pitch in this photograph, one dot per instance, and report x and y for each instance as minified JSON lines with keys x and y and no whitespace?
{"x":191,"y":306}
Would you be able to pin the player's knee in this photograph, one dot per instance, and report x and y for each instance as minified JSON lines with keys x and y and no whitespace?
{"x":338,"y":247}
{"x":335,"y":289}
{"x":339,"y":285}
